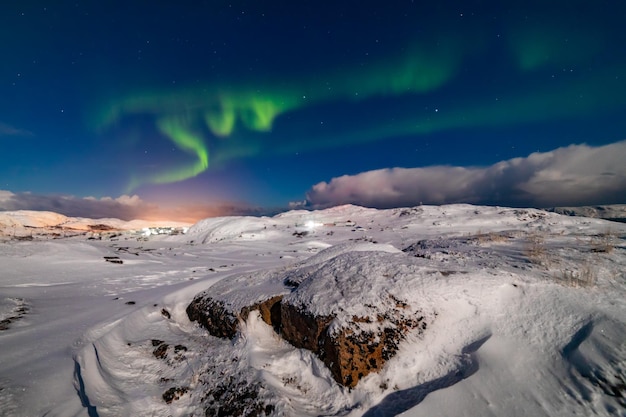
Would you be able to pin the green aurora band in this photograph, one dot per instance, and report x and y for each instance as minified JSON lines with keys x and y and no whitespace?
{"x":239,"y":117}
{"x":224,"y":110}
{"x":176,"y":129}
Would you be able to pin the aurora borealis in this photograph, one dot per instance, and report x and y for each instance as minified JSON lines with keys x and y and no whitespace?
{"x":213,"y":102}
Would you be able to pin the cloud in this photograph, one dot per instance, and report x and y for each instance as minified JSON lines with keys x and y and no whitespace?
{"x":124,"y":207}
{"x":8,"y":130}
{"x":568,"y":176}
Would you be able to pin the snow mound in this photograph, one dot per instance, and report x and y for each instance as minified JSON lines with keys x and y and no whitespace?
{"x":228,"y":228}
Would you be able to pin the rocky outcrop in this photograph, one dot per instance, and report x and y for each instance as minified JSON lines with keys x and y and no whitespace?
{"x":213,"y":316}
{"x":334,"y":308}
{"x":222,"y":320}
{"x":352,"y":354}
{"x":270,"y":311}
{"x":353,"y":351}
{"x":360,"y":347}
{"x":302,"y":329}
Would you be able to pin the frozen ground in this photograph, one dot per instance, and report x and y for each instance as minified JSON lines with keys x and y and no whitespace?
{"x":528,"y":315}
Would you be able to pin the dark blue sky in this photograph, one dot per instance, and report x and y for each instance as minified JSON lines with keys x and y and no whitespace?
{"x":254,"y":103}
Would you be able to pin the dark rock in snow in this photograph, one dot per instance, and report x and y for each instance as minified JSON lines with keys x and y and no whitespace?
{"x":232,"y":398}
{"x":174,"y":394}
{"x":113,"y":259}
{"x":349,"y":352}
{"x":161,"y":351}
{"x":213,"y":316}
{"x":303,"y":329}
{"x":351,"y":345}
{"x":223,"y":321}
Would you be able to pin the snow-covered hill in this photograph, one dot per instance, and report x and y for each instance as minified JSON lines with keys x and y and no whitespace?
{"x":478,"y":311}
{"x":45,"y":224}
{"x":613,"y":212}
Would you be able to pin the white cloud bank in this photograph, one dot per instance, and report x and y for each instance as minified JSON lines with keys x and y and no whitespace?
{"x":569,"y":176}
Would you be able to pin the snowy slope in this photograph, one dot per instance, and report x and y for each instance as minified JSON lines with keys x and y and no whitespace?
{"x":614,"y":212}
{"x":28,"y":223}
{"x":526,"y":315}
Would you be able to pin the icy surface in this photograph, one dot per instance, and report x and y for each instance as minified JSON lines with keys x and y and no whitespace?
{"x":527,"y":315}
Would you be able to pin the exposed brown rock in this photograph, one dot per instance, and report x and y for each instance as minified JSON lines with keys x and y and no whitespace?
{"x":100,"y":228}
{"x":161,"y":351}
{"x":174,"y":394}
{"x":360,"y":347}
{"x":223,"y":322}
{"x":213,"y":316}
{"x":303,"y":329}
{"x":270,"y":311}
{"x":350,"y":353}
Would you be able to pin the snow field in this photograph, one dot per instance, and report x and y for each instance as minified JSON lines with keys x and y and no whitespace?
{"x":526,"y":316}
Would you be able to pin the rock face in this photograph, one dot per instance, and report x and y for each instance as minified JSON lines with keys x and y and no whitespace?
{"x":270,"y":311}
{"x":351,"y":345}
{"x":350,"y":352}
{"x":302,"y":329}
{"x":213,"y":316}
{"x":222,"y":321}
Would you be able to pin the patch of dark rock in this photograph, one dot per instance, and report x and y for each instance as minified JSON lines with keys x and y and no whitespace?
{"x":292,"y":282}
{"x":113,"y":259}
{"x":214,"y":316}
{"x":270,"y":311}
{"x":414,"y":211}
{"x":130,"y":303}
{"x":100,"y":228}
{"x":428,"y":244}
{"x":302,"y":329}
{"x":174,"y":394}
{"x":180,"y":348}
{"x":161,"y":351}
{"x":350,"y":353}
{"x":231,"y":398}
{"x":19,"y":311}
{"x":166,"y":313}
{"x":222,"y":321}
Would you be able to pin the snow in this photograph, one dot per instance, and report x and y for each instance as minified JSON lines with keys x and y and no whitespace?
{"x":526,"y":313}
{"x":29,"y":223}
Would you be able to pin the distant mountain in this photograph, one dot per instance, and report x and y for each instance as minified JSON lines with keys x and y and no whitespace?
{"x":615,"y":212}
{"x":30,"y":223}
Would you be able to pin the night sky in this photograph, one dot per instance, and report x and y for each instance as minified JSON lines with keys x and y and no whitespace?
{"x":192,"y":108}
